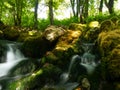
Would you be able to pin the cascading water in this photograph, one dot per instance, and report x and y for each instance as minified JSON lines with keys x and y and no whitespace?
{"x":13,"y":56}
{"x":88,"y":59}
{"x":65,"y":76}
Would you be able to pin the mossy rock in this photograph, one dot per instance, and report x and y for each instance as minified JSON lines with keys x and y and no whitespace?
{"x":93,"y":24}
{"x":107,"y":41}
{"x":109,"y":46}
{"x":92,"y":34}
{"x":114,"y":64}
{"x":22,"y":37}
{"x":11,"y":34}
{"x":1,"y":34}
{"x":114,"y":19}
{"x":47,"y":74}
{"x":76,"y":26}
{"x":52,"y":33}
{"x":67,"y":45}
{"x":118,"y":24}
{"x":107,"y":25}
{"x":68,"y":40}
{"x":35,"y":46}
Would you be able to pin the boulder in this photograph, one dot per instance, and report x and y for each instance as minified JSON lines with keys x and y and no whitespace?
{"x":35,"y":46}
{"x":47,"y":74}
{"x":109,"y":46}
{"x":11,"y":34}
{"x":52,"y":33}
{"x":66,"y":46}
{"x":77,"y":26}
{"x":107,"y":41}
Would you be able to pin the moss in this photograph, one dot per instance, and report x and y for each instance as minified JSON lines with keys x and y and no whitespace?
{"x":47,"y":74}
{"x":114,"y":63}
{"x":118,"y":24}
{"x":114,"y":19}
{"x":108,"y":40}
{"x":22,"y":37}
{"x":109,"y":46}
{"x":68,"y":40}
{"x":93,"y":24}
{"x":106,"y":25}
{"x":1,"y":34}
{"x":11,"y":34}
{"x":92,"y":34}
{"x":75,"y":26}
{"x":35,"y":46}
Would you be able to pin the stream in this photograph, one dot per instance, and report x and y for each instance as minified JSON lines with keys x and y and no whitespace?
{"x":14,"y":65}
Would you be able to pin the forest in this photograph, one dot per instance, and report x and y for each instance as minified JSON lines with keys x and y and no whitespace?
{"x":59,"y":45}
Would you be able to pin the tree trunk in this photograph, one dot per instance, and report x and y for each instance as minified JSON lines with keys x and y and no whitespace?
{"x":18,"y":12}
{"x":73,"y":6}
{"x":110,"y":6}
{"x":51,"y":12}
{"x":101,"y":6}
{"x":35,"y":15}
{"x":86,"y":9}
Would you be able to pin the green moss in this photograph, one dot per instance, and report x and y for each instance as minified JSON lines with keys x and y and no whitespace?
{"x":47,"y":74}
{"x":11,"y":34}
{"x":114,"y":63}
{"x":118,"y":24}
{"x":108,"y":40}
{"x":35,"y":46}
{"x":106,"y":25}
{"x":75,"y":26}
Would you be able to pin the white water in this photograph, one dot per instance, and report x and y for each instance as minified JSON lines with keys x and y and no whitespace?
{"x":65,"y":76}
{"x":88,"y":61}
{"x":13,"y":56}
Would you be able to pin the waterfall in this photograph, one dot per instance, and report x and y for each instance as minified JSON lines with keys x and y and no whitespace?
{"x":65,"y":76}
{"x":88,"y":59}
{"x":13,"y":56}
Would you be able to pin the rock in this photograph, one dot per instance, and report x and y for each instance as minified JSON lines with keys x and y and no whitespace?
{"x":68,"y":40}
{"x":52,"y":33}
{"x":109,"y":47}
{"x":47,"y":74}
{"x":108,"y":41}
{"x":1,"y":34}
{"x":35,"y":46}
{"x":76,"y":26}
{"x":106,"y":25}
{"x":85,"y":84}
{"x":94,"y":24}
{"x":66,"y":46}
{"x":11,"y":34}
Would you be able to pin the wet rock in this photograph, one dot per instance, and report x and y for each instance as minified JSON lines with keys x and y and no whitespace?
{"x":85,"y":84}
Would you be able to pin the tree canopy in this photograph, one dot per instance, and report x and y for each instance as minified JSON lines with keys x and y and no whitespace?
{"x":26,"y":12}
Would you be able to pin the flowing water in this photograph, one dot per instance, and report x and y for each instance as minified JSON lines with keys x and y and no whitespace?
{"x":14,"y":65}
{"x":13,"y":56}
{"x":88,"y":59}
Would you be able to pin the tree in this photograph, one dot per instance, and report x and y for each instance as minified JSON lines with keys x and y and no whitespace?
{"x":110,"y":4}
{"x":1,"y":9}
{"x":50,"y":5}
{"x":101,"y":6}
{"x":86,"y":6}
{"x":35,"y":14}
{"x":18,"y":12}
